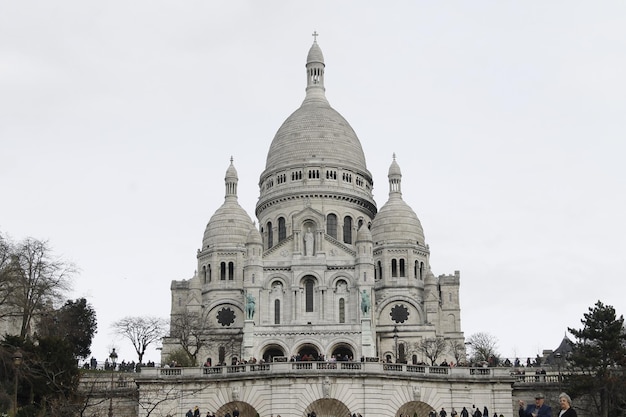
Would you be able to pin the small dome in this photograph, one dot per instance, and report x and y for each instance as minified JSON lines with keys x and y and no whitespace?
{"x":364,"y":234}
{"x":396,"y":222}
{"x":229,"y":226}
{"x":315,"y":54}
{"x":394,"y":168}
{"x":231,"y":172}
{"x":254,"y":237}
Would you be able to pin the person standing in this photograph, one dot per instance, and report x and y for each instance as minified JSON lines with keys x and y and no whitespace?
{"x":539,"y":409}
{"x":464,"y":412}
{"x":453,"y":413}
{"x":566,"y":406}
{"x":443,"y":412}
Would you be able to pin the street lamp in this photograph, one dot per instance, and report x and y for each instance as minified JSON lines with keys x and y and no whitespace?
{"x":17,"y":362}
{"x":557,"y":356}
{"x":395,"y":339}
{"x":113,"y":357}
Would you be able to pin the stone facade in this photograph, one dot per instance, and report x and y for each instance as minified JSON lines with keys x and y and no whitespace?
{"x":325,"y":273}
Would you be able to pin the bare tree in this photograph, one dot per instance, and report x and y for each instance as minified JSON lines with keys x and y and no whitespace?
{"x":457,"y":349}
{"x":189,"y":328}
{"x":431,"y":348}
{"x":159,"y":397}
{"x":141,"y":331}
{"x":484,"y":348}
{"x":7,"y":281}
{"x":32,"y":280}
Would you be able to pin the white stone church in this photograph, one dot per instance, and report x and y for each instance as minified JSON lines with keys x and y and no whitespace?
{"x":323,"y":273}
{"x":320,"y":309}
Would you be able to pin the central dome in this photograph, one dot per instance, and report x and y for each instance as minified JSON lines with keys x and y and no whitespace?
{"x":316,"y":131}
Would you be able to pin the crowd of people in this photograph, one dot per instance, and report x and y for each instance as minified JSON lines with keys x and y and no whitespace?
{"x":123,"y":366}
{"x":538,"y":409}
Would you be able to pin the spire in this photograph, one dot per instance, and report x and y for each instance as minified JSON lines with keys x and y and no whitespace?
{"x":315,"y":72}
{"x":395,"y":178}
{"x":231,"y":180}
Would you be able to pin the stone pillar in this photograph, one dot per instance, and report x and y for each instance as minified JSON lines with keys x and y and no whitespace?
{"x":248,"y":339}
{"x":368,"y":348}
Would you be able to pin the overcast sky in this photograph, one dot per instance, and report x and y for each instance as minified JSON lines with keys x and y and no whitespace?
{"x":118,"y":120}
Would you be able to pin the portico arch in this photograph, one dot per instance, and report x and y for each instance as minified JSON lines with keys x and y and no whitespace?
{"x":244,"y":409}
{"x":414,"y":409}
{"x":272,"y":351}
{"x":309,"y":350}
{"x":327,"y":407}
{"x":341,"y":351}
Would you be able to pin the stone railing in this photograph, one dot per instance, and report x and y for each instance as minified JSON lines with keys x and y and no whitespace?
{"x":537,"y":378}
{"x":315,"y":368}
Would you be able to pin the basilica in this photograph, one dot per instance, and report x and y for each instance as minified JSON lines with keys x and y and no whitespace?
{"x":322,"y":273}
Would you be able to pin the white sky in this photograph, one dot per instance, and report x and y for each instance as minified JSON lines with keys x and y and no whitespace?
{"x":118,"y":119}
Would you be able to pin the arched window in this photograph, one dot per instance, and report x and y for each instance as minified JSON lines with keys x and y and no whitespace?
{"x":414,"y":359}
{"x":401,"y":353}
{"x":380,"y":270}
{"x":209,"y":272}
{"x":231,"y":271}
{"x":402,"y":272}
{"x":415,"y":270}
{"x":308,"y":289}
{"x":347,"y":229}
{"x":421,"y":270}
{"x":223,"y":271}
{"x":204,"y":274}
{"x":360,"y":223}
{"x":394,"y":268}
{"x":342,"y":310}
{"x":331,"y":225}
{"x":282,"y":230}
{"x":276,"y":311}
{"x":270,"y":235}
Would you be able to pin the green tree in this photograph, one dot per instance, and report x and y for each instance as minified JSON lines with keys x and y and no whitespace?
{"x":75,"y":322}
{"x":47,"y":377}
{"x":598,"y":359}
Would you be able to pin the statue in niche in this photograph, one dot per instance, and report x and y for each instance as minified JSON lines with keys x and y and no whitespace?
{"x":365,"y":302}
{"x":250,"y":306}
{"x":309,"y":242}
{"x":277,"y":287}
{"x":326,"y":387}
{"x":417,"y":395}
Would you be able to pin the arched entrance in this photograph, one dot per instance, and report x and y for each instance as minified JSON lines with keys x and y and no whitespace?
{"x":272,"y":352}
{"x":327,"y":407}
{"x":415,"y":409}
{"x":244,"y":409}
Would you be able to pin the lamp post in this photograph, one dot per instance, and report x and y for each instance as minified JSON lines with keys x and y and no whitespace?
{"x":395,"y":340}
{"x":17,"y":362}
{"x":558,"y":356}
{"x":113,"y":357}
